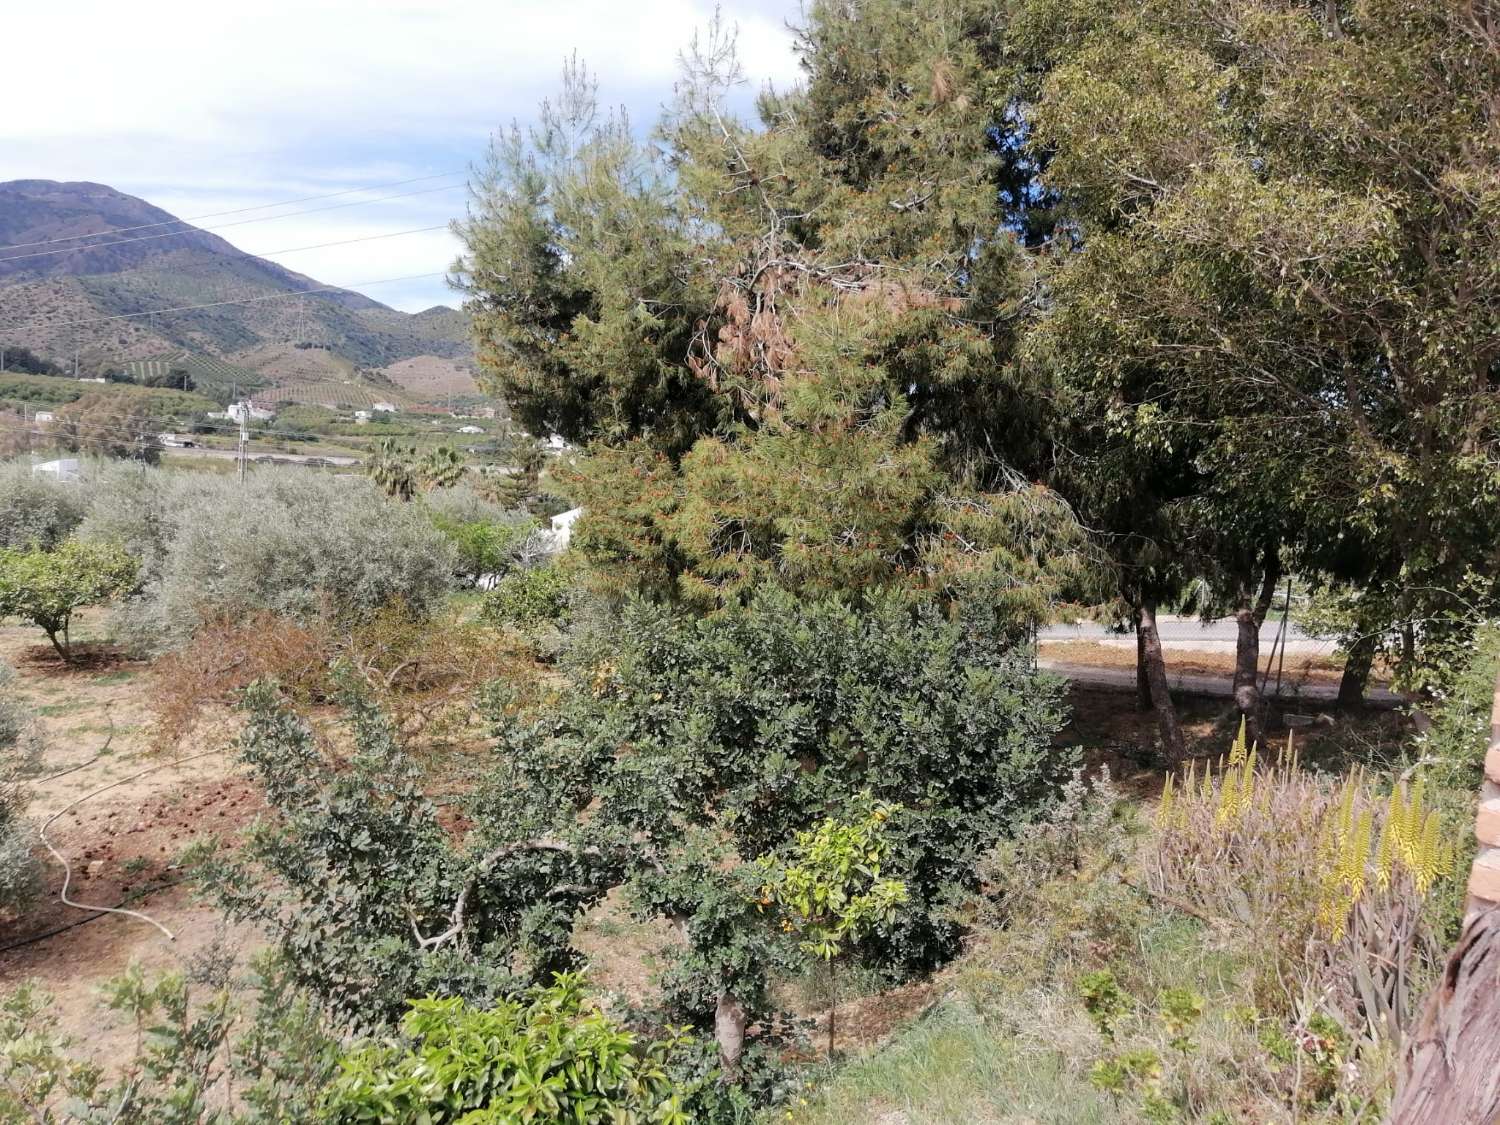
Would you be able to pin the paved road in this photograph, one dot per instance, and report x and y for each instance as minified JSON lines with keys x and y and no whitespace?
{"x":1190,"y":633}
{"x":255,"y":455}
{"x":1214,"y":687}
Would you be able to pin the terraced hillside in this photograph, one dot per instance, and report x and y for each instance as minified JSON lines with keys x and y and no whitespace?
{"x":212,"y":377}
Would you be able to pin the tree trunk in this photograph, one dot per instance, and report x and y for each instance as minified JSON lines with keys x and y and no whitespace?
{"x":1452,"y":1063}
{"x":1142,"y":678}
{"x":1249,"y":616}
{"x":64,"y":651}
{"x":1156,"y":677}
{"x":730,"y":1021}
{"x":1356,"y":674}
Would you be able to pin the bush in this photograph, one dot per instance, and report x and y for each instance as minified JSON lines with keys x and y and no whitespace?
{"x":487,"y":539}
{"x":756,"y":724}
{"x":527,"y":598}
{"x":425,"y":672}
{"x":545,"y":1058}
{"x":37,"y":510}
{"x":197,"y":1059}
{"x":294,"y":545}
{"x":366,"y":894}
{"x":1331,"y":882}
{"x":20,"y":754}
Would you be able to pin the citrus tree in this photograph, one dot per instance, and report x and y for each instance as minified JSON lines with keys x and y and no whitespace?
{"x":829,"y":889}
{"x":47,"y":587}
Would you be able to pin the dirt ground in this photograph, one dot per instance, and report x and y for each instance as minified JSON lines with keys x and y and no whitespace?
{"x":122,"y":844}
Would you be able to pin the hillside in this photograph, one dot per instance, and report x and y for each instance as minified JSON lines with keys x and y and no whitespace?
{"x":46,"y":285}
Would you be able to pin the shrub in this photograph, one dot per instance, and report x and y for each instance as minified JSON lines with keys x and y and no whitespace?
{"x":20,"y":754}
{"x":48,"y":587}
{"x":756,"y":724}
{"x":527,"y":598}
{"x":365,"y":893}
{"x":425,"y":672}
{"x":196,"y":1058}
{"x":1332,"y":882}
{"x":36,"y":510}
{"x":293,"y":545}
{"x":545,"y":1057}
{"x":487,"y":539}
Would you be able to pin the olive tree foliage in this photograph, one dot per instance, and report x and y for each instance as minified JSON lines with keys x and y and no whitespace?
{"x":298,"y":545}
{"x":37,"y":509}
{"x":21,"y":746}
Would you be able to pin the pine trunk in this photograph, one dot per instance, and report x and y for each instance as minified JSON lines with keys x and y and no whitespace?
{"x":1142,"y":676}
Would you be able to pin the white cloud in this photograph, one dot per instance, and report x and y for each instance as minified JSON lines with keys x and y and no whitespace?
{"x":206,"y":107}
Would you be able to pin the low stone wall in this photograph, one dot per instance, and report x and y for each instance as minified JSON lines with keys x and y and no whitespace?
{"x":1484,"y":879}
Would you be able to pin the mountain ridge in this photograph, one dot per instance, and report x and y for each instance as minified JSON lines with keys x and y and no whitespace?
{"x":48,"y":285}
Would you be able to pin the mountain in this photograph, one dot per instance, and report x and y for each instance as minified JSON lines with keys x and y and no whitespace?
{"x":50,"y":279}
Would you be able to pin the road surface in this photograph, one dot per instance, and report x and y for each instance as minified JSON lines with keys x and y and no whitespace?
{"x":1193,"y":634}
{"x":1190,"y":634}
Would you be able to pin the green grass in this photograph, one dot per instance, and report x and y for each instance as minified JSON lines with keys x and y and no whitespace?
{"x":959,"y":1065}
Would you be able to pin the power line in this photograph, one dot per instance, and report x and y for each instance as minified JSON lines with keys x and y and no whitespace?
{"x":267,"y":253}
{"x":221,"y":226}
{"x":236,"y":211}
{"x":246,"y":300}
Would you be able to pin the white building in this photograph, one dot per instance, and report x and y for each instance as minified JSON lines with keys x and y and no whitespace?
{"x":561,"y":532}
{"x":248,"y":411}
{"x":175,"y":441}
{"x":361,"y":416}
{"x":383,"y":407}
{"x":65,"y":469}
{"x":44,"y":417}
{"x":470,"y":430}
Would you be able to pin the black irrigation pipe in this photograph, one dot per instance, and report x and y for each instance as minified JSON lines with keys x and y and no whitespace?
{"x":102,"y":912}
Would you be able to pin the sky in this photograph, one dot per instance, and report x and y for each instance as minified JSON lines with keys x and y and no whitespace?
{"x":207,"y":108}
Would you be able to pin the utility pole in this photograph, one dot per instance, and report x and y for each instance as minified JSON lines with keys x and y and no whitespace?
{"x":244,"y":439}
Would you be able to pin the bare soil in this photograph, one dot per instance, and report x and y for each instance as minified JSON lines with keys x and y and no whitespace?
{"x":122,"y":844}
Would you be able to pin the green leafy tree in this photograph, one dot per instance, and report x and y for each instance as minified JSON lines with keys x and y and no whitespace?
{"x":1287,"y":229}
{"x":47,"y":587}
{"x":788,"y":346}
{"x":830,"y":892}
